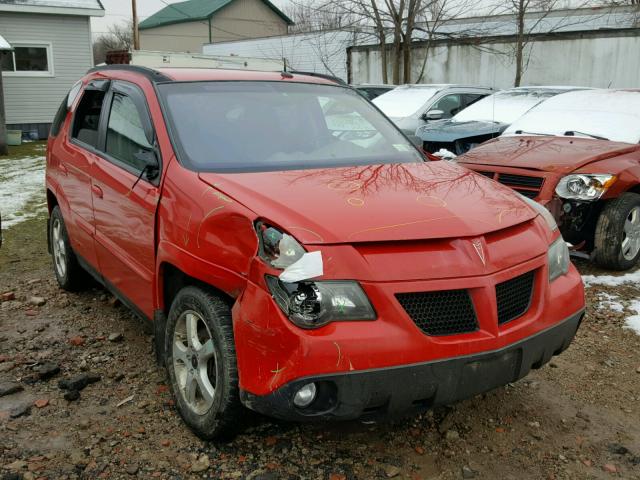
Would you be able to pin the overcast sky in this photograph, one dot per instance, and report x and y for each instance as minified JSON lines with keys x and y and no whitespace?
{"x":117,"y":11}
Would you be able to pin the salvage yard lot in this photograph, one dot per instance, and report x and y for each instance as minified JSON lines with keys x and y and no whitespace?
{"x":578,"y":417}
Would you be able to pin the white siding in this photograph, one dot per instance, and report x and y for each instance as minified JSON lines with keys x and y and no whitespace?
{"x":36,"y":99}
{"x":321,"y":52}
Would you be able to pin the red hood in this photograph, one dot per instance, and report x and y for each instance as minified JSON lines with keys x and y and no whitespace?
{"x":551,"y":154}
{"x":376,"y":203}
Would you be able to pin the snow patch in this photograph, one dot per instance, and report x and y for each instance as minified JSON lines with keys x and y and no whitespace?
{"x":633,"y":322}
{"x":608,"y":302}
{"x":613,"y":114}
{"x":611,"y":280}
{"x":21,"y":184}
{"x":445,"y":154}
{"x":405,"y":100}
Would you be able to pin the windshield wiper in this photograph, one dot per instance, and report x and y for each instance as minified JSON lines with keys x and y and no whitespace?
{"x":573,"y":133}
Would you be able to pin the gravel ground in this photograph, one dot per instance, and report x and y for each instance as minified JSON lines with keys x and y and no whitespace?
{"x":578,"y":417}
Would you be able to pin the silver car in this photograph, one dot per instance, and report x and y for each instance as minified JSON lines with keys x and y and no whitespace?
{"x":411,"y":106}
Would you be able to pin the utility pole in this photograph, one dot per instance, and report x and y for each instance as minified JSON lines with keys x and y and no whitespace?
{"x":4,"y":150}
{"x":136,"y":38}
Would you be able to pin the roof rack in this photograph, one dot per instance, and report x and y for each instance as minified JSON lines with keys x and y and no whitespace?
{"x":150,"y":73}
{"x":319,"y":75}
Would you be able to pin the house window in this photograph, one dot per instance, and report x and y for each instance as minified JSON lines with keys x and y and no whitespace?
{"x":27,"y":60}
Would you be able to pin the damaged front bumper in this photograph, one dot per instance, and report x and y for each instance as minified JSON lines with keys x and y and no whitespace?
{"x":406,"y":389}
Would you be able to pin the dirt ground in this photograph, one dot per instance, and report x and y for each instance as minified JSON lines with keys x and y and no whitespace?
{"x":576,"y":418}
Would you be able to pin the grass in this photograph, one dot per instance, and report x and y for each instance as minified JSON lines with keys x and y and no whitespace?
{"x":30,"y":149}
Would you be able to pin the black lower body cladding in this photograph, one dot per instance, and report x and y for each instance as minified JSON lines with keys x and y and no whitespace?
{"x":408,"y":389}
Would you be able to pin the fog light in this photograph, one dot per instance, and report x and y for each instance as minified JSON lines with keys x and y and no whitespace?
{"x":305,"y":396}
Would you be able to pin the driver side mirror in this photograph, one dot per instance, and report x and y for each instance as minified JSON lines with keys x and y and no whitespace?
{"x":149,"y":161}
{"x":433,"y":115}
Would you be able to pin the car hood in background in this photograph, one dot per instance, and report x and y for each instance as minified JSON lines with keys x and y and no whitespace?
{"x":551,"y":154}
{"x":448,"y":131}
{"x":375,"y":203}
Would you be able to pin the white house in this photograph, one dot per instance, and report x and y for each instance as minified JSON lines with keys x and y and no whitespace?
{"x":51,"y":42}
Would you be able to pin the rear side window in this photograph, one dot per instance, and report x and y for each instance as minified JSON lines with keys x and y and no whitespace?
{"x":449,"y":105}
{"x":87,"y":118}
{"x":126,"y":138}
{"x":472,"y":98}
{"x":58,"y":120}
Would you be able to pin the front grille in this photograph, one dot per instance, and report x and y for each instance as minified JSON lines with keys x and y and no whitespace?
{"x":520,"y":180}
{"x":527,"y":193}
{"x":514,"y":297}
{"x":446,"y":312}
{"x":524,"y":184}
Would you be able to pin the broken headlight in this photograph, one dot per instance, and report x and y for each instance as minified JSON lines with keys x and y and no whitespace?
{"x":585,"y":187}
{"x":277,"y":248}
{"x":558,"y":257}
{"x":314,"y":304}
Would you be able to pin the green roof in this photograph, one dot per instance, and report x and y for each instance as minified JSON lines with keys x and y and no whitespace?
{"x":193,"y":10}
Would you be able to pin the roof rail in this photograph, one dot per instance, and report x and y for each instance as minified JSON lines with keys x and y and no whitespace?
{"x":153,"y":75}
{"x":319,"y":75}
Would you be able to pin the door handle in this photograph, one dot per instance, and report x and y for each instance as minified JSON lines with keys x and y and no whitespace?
{"x":97,"y":191}
{"x":63,"y":168}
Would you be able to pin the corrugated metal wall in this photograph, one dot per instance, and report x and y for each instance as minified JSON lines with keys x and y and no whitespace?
{"x":30,"y":100}
{"x":592,"y":59}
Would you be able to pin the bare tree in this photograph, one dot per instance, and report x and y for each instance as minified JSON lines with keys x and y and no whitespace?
{"x":307,"y":18}
{"x":388,"y":21}
{"x":431,"y":20}
{"x":532,"y":16}
{"x":519,"y":9}
{"x":119,"y":37}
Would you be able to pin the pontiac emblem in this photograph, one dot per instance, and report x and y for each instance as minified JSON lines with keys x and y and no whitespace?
{"x":477,"y":244}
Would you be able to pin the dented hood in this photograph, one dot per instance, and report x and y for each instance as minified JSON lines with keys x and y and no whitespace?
{"x":450,"y":131}
{"x":551,"y":154}
{"x":375,"y":203}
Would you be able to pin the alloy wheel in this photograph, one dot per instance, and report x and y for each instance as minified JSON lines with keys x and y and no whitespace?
{"x":631,"y":234}
{"x":194,"y":362}
{"x":59,"y":248}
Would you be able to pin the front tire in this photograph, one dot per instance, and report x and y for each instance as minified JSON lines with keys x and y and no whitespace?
{"x":201,"y":363}
{"x":617,"y":236}
{"x":68,"y":271}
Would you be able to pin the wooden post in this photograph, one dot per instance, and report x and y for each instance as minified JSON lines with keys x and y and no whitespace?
{"x":136,"y":37}
{"x":4,"y":150}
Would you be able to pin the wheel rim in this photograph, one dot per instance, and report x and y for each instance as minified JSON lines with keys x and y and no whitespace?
{"x":631,"y":234}
{"x":194,"y":362}
{"x":59,"y":250}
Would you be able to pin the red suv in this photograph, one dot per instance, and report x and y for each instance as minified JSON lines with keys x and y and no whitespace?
{"x":296,"y":253}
